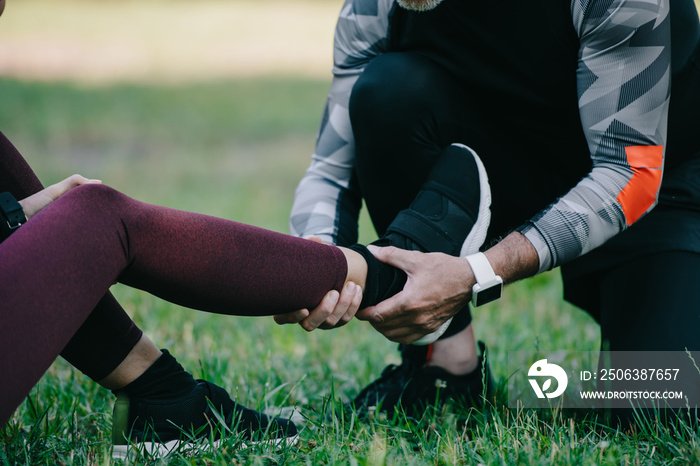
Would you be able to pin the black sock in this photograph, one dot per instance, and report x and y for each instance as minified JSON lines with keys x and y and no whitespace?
{"x":166,"y":400}
{"x":166,"y":379}
{"x":383,"y":280}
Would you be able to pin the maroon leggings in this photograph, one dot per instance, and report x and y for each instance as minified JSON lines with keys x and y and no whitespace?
{"x":56,"y":269}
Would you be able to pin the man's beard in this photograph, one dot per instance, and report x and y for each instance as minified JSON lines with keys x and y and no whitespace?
{"x":419,"y":5}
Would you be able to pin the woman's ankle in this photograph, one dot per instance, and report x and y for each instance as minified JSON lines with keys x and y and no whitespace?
{"x":357,"y":268}
{"x":140,"y":358}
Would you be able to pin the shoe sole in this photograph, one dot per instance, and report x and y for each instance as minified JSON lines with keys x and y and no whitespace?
{"x":162,"y":450}
{"x":477,"y":235}
{"x":432,"y":337}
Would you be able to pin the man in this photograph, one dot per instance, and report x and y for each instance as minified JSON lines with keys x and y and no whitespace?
{"x":566,"y":105}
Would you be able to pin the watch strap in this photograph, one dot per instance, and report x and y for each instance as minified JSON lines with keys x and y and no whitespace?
{"x":488,"y":285}
{"x":11,"y":215}
{"x":481,"y":267}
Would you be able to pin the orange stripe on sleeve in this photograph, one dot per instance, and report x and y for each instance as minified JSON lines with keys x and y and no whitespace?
{"x":640,"y":193}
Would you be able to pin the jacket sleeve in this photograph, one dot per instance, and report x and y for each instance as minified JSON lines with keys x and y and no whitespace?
{"x":623,"y":78}
{"x":327,"y":200}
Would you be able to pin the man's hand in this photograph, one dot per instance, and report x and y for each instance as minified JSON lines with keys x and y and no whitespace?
{"x":34,"y":203}
{"x":438,"y":287}
{"x":336,"y":309}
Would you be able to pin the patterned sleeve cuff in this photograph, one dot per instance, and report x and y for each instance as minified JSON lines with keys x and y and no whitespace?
{"x":543,"y":252}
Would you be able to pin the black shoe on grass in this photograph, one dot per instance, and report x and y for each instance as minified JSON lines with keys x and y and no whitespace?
{"x":157,"y":428}
{"x":413,"y":388}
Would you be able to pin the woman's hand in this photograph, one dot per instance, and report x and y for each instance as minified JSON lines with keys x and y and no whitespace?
{"x":336,"y":309}
{"x":34,"y":203}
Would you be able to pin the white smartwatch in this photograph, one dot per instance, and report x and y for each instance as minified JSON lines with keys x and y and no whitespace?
{"x":488,"y":285}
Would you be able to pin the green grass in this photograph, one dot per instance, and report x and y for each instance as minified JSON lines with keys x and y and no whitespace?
{"x":237,"y":149}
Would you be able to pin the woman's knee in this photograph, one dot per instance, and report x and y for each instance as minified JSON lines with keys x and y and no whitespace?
{"x":97,"y":198}
{"x":96,"y":192}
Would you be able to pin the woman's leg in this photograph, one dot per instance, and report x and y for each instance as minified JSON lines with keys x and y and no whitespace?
{"x":112,"y":350}
{"x":59,"y":265}
{"x":108,"y":335}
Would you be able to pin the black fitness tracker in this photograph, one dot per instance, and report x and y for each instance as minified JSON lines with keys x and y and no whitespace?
{"x":488,"y":285}
{"x":11,"y":215}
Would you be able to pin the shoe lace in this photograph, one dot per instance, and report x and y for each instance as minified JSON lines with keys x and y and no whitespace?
{"x":393,"y":378}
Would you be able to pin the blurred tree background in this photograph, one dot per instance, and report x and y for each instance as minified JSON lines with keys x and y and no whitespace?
{"x":210,"y":105}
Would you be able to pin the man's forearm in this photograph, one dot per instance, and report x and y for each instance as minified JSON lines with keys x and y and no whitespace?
{"x":513,"y":258}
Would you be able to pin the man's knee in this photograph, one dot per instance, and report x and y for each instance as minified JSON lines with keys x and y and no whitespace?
{"x":396,"y":90}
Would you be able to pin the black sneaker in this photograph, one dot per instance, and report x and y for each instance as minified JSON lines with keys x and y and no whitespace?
{"x":152,"y":428}
{"x":413,"y":387}
{"x":451,"y":213}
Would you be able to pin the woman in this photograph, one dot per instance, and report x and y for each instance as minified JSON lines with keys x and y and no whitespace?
{"x":80,"y":237}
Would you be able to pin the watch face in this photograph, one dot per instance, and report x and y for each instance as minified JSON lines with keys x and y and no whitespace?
{"x":487,"y":295}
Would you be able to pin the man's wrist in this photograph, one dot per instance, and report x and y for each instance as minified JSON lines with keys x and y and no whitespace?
{"x":513,"y":258}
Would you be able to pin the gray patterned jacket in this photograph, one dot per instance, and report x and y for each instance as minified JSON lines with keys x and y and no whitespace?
{"x":623,"y":88}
